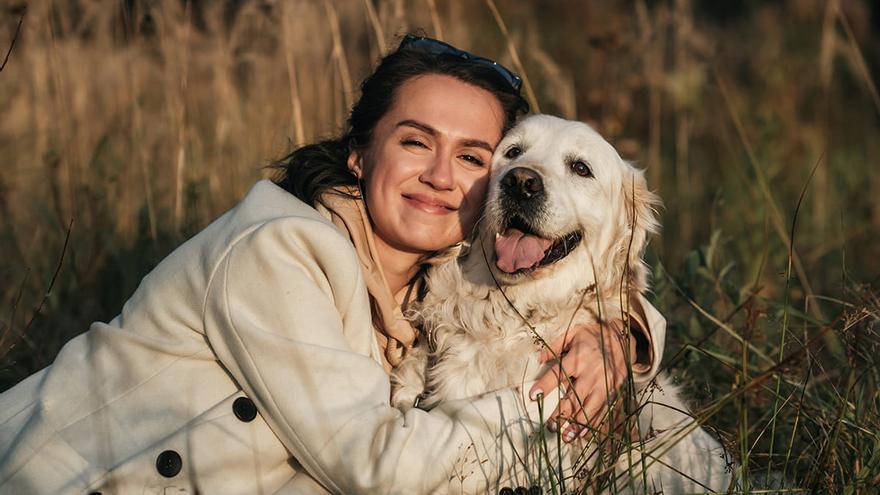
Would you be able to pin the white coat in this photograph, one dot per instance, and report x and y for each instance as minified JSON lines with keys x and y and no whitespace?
{"x":244,"y":363}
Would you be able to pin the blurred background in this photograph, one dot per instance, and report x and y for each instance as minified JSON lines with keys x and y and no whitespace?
{"x":126,"y":127}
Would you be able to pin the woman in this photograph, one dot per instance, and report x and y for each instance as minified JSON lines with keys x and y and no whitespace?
{"x":254,"y":358}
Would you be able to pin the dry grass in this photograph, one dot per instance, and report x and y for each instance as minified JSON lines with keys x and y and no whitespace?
{"x":139,"y":122}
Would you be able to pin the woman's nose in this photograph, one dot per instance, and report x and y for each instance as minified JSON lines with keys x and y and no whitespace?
{"x":439,"y":174}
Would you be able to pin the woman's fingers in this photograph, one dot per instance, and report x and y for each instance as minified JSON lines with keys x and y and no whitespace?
{"x":570,"y":406}
{"x":561,"y":416}
{"x":556,"y":375}
{"x":557,"y":347}
{"x":588,"y":418}
{"x":548,"y":381}
{"x":586,"y":402}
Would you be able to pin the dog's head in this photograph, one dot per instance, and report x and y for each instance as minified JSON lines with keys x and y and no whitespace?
{"x":561,"y":199}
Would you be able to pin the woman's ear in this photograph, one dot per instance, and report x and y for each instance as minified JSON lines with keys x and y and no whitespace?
{"x":355,"y":163}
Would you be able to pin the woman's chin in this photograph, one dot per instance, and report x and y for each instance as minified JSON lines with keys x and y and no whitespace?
{"x":416,"y":238}
{"x":431,"y":247}
{"x":427,"y":244}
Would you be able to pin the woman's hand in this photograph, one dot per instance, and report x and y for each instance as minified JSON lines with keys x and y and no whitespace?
{"x":591,"y":370}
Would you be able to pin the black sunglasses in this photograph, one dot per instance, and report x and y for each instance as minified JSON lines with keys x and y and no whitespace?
{"x":437,"y":47}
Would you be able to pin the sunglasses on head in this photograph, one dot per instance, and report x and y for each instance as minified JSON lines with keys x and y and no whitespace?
{"x":437,"y":47}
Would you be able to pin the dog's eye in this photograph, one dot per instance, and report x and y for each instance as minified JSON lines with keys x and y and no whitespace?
{"x":581,"y":168}
{"x":513,"y":152}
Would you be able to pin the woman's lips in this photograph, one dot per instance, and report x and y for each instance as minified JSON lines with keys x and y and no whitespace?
{"x":429,"y":204}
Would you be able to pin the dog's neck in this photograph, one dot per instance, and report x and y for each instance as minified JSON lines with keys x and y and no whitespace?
{"x":500,"y":309}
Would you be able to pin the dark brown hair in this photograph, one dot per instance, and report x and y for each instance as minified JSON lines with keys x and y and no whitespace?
{"x":312,"y":169}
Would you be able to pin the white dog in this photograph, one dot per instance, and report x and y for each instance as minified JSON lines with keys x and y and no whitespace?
{"x":563,"y":233}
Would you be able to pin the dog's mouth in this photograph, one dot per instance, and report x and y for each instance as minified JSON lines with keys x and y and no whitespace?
{"x":519,"y":249}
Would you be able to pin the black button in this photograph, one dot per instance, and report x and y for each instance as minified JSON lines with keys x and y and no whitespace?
{"x":169,"y":463}
{"x":244,"y":409}
{"x":505,"y":491}
{"x":535,"y":490}
{"x":521,"y":490}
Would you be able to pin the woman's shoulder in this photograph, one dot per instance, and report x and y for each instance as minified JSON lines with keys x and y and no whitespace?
{"x":269,"y":208}
{"x":269,"y":205}
{"x":268,"y":218}
{"x":268,"y":201}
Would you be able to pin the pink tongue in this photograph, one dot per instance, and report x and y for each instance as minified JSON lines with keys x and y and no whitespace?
{"x":516,"y":250}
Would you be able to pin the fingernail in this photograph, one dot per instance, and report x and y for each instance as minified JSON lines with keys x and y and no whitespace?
{"x":564,"y":426}
{"x":584,"y":432}
{"x":536,"y":394}
{"x":569,"y":435}
{"x":552,"y":425}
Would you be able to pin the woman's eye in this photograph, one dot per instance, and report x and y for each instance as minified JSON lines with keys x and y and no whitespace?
{"x":414,"y":142}
{"x":513,"y":152}
{"x":581,"y":168}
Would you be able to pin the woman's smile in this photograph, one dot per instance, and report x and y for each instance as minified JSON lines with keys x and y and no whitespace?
{"x":429,"y":204}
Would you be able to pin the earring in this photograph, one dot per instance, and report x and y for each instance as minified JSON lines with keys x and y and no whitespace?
{"x":361,"y":189}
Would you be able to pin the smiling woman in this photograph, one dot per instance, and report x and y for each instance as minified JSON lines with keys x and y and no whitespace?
{"x":425,"y":171}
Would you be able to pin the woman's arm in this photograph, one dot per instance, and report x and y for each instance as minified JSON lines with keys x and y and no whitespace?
{"x":648,"y":328}
{"x":594,"y":364}
{"x":287,"y":314}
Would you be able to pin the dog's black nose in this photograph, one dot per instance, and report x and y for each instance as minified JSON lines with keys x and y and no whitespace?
{"x":522,"y":183}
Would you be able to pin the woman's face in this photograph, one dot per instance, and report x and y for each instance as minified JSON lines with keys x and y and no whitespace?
{"x":426,"y":167}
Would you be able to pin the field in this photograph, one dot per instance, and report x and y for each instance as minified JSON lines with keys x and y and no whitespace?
{"x":126,"y":127}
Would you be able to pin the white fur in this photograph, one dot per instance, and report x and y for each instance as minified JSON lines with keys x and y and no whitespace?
{"x":474,"y":313}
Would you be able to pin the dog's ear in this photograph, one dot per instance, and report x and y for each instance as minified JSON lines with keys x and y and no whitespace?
{"x":641,"y":217}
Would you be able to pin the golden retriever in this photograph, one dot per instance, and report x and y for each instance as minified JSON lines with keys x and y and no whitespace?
{"x":565,"y":224}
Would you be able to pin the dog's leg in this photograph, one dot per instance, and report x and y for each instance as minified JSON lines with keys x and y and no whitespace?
{"x":408,"y":378}
{"x":675,"y":454}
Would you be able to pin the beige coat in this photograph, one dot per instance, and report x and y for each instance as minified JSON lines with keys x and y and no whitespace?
{"x":244,"y":363}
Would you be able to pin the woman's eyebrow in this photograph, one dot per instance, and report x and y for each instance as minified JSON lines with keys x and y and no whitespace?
{"x":476,"y":143}
{"x":471,"y":143}
{"x":418,"y":125}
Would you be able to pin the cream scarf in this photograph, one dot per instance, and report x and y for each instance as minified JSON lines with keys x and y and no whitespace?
{"x":394,"y":333}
